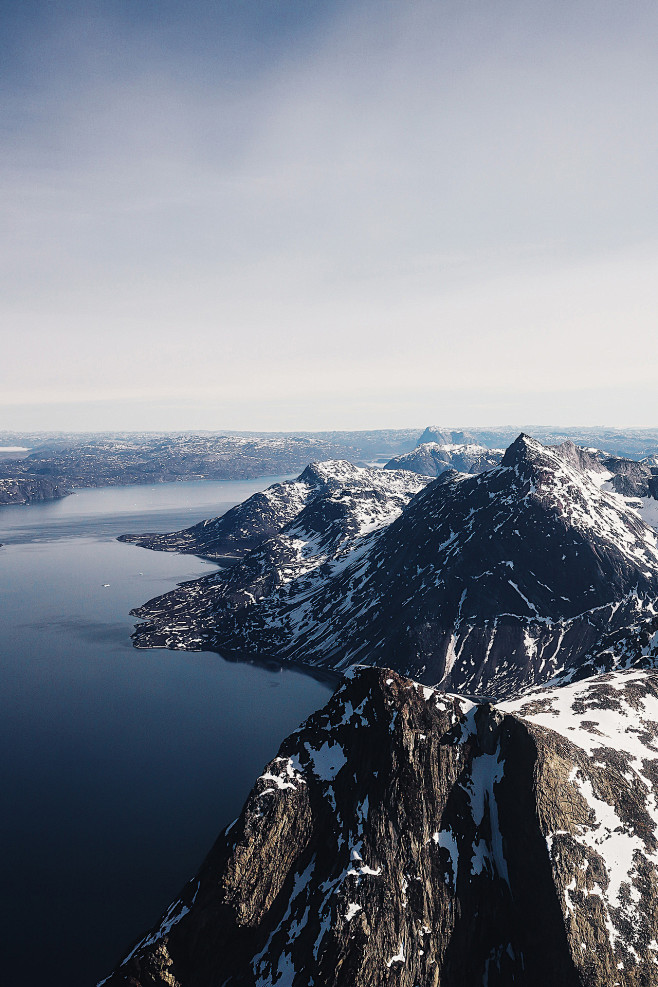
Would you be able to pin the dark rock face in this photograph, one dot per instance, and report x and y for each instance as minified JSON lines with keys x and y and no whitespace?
{"x":631,"y":479}
{"x":406,"y":836}
{"x":432,"y":459}
{"x":483,"y":583}
{"x":28,"y":491}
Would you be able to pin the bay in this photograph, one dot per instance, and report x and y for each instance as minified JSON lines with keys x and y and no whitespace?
{"x":118,"y":767}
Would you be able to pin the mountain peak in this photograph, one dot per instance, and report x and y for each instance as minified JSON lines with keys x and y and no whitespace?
{"x":524,"y":449}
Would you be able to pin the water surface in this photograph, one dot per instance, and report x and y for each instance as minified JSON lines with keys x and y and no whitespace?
{"x":119,"y":767}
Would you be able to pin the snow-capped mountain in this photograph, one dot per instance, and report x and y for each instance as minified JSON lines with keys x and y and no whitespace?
{"x":376,"y":497}
{"x":405,"y":835}
{"x":432,"y":459}
{"x":481,"y":583}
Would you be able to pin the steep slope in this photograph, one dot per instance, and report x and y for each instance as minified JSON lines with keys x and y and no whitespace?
{"x":628,"y":647}
{"x":636,"y":482}
{"x":432,"y":459}
{"x":483,"y":583}
{"x":406,"y":836}
{"x":263,"y":515}
{"x":631,"y":479}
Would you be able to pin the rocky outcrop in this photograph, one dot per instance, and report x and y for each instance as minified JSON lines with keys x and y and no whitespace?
{"x":631,"y":479}
{"x":483,"y":584}
{"x":29,"y":491}
{"x":636,"y":443}
{"x":407,"y":836}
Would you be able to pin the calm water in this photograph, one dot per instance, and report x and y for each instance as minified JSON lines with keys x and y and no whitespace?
{"x":117,"y":767}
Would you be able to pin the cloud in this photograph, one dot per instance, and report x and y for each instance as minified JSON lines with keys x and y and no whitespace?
{"x":422,"y":199}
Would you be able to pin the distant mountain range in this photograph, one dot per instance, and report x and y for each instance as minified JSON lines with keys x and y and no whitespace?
{"x":137,"y":458}
{"x":629,"y":477}
{"x":405,"y":835}
{"x":70,"y":460}
{"x":484,"y":583}
{"x":635,"y":443}
{"x":432,"y":459}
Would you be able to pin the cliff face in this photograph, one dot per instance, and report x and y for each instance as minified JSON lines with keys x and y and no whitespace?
{"x":406,"y":836}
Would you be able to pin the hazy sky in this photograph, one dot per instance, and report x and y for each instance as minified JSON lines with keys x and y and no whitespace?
{"x":277,"y":214}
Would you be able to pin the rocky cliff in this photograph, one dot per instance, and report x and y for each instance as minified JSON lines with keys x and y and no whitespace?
{"x":406,"y":836}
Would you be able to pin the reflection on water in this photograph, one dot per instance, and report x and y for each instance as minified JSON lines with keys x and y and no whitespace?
{"x":119,"y":766}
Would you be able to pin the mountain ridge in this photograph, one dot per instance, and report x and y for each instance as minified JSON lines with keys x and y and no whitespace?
{"x":477,"y":583}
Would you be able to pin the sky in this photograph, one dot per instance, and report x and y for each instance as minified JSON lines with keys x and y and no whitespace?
{"x":317,"y":214}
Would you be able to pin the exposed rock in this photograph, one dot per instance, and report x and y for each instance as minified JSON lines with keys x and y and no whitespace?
{"x":631,"y":479}
{"x":588,"y":460}
{"x":405,"y":836}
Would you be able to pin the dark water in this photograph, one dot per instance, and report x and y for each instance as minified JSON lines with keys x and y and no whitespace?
{"x":117,"y":767}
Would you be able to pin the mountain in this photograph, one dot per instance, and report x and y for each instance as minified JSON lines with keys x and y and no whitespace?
{"x":432,"y":459}
{"x":405,"y":835}
{"x":626,"y":476}
{"x":264,"y":514}
{"x":436,"y":435}
{"x":482,"y":584}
